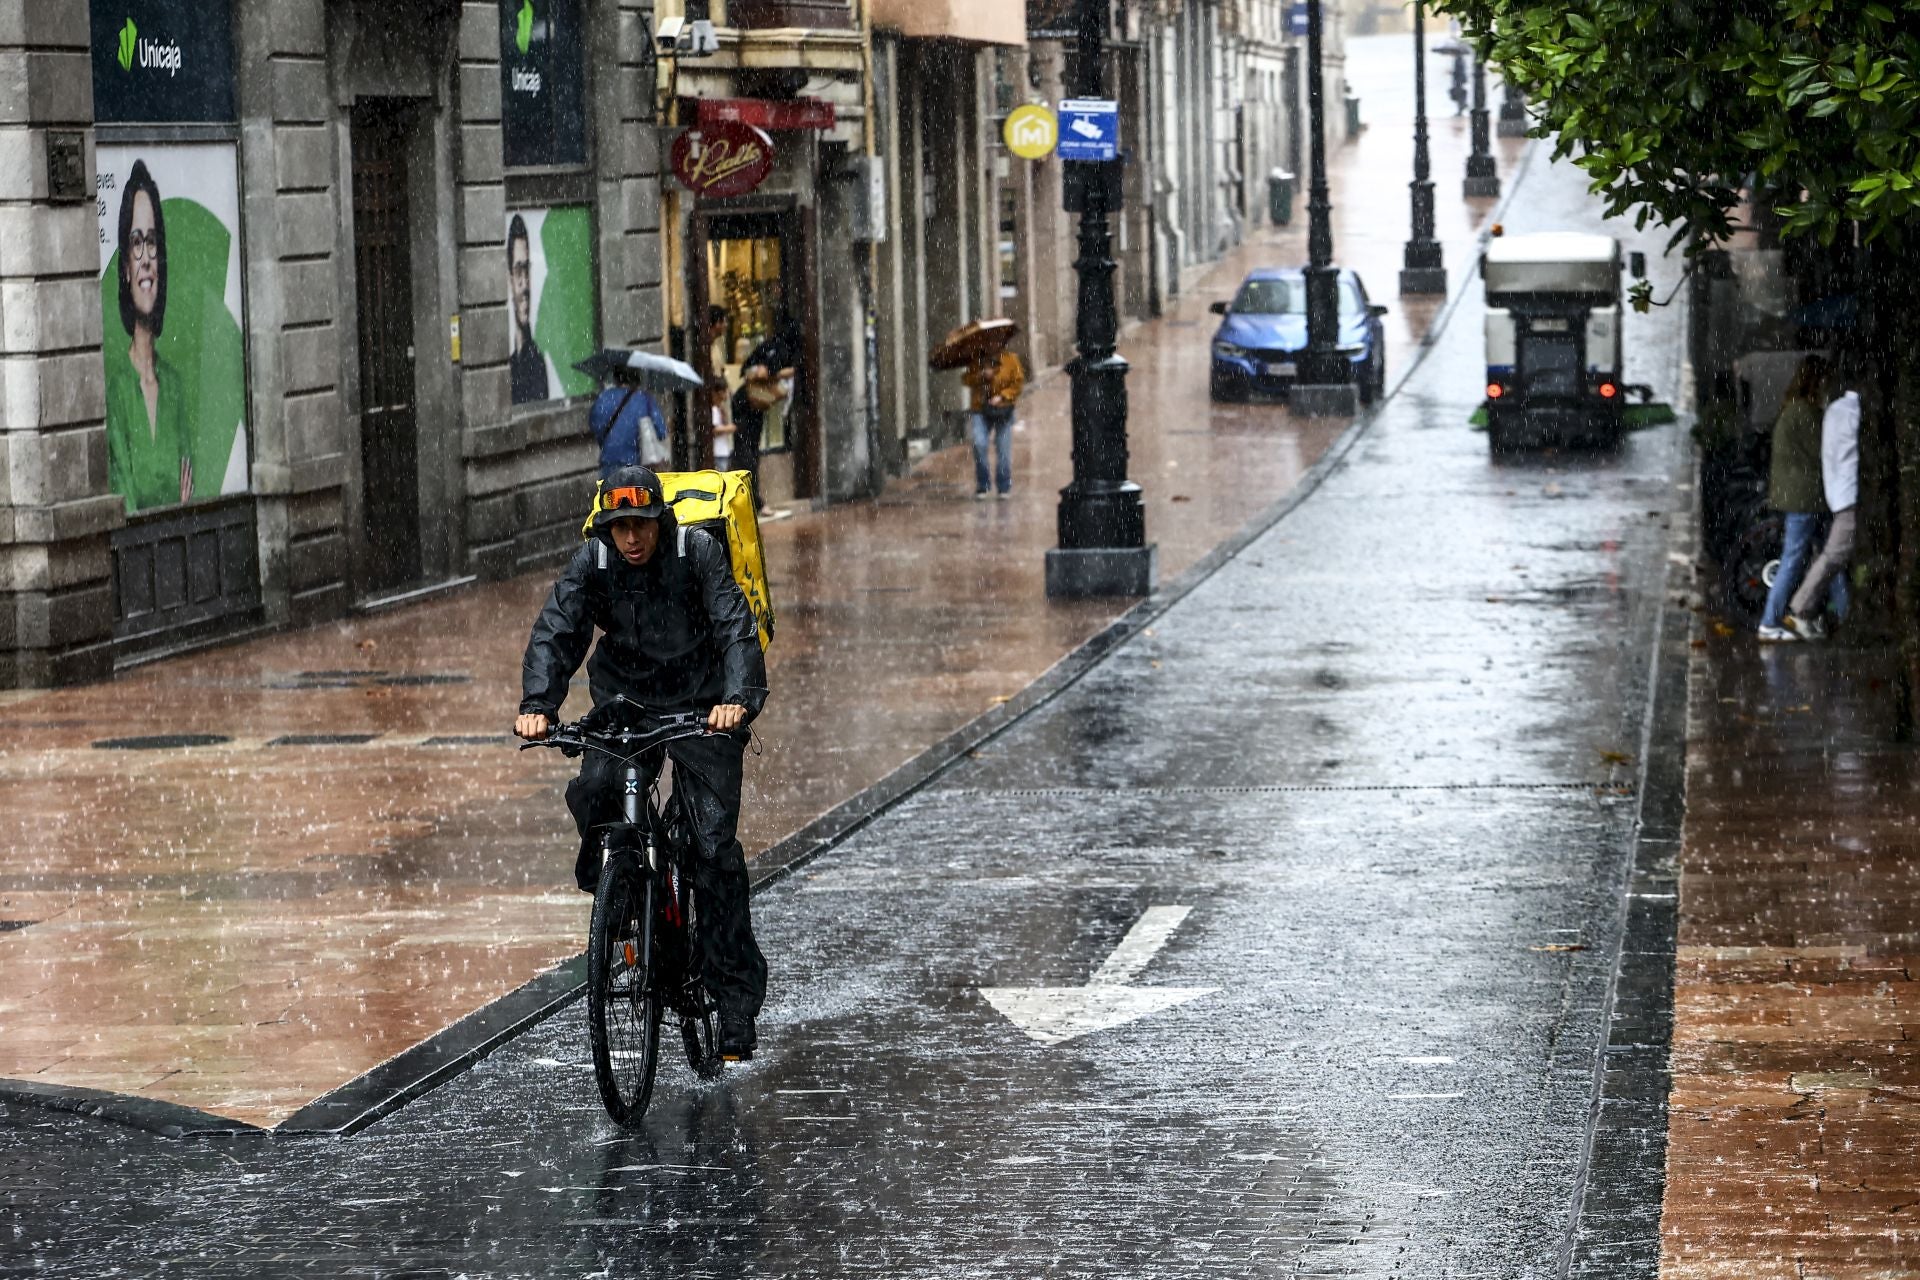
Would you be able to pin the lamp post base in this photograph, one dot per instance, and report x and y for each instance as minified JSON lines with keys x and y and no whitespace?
{"x":1511,"y":126}
{"x":1474,"y":188}
{"x":1423,"y":280}
{"x":1076,"y":573}
{"x":1324,"y":399}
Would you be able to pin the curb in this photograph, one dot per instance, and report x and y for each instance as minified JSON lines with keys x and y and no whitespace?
{"x":447,"y":1054}
{"x":1621,"y":1184}
{"x":168,"y":1119}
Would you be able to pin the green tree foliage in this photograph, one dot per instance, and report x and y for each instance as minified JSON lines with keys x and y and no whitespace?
{"x":1669,"y":104}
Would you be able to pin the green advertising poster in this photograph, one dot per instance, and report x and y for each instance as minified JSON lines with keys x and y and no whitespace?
{"x":172,"y":345}
{"x":553,"y":307}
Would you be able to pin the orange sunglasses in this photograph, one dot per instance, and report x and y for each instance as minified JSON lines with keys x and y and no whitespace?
{"x":627,"y":496}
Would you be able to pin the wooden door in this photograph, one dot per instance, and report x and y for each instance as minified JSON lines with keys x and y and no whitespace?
{"x":389,"y":444}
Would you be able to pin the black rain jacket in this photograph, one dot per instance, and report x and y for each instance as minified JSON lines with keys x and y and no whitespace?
{"x":677,"y":634}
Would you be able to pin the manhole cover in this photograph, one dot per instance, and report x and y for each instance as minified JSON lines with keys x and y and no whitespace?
{"x":161,"y":742}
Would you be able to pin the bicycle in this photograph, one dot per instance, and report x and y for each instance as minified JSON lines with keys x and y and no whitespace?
{"x":642,"y":966}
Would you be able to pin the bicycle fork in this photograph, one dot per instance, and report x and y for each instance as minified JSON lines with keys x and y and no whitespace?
{"x":630,"y":812}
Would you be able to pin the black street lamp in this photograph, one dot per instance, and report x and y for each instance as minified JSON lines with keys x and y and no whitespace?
{"x":1424,"y":271}
{"x":1324,"y":385}
{"x":1103,"y":547}
{"x":1513,"y":111}
{"x":1483,"y":179}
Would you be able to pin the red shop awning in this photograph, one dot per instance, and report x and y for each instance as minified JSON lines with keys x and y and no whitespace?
{"x":764,"y":113}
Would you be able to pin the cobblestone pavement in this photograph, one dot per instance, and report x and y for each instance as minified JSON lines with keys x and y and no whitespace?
{"x":244,"y":925}
{"x":1341,"y":840}
{"x":1796,"y":1076}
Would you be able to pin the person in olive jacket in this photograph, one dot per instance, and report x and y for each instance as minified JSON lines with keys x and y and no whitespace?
{"x":675,"y":635}
{"x":1794,"y":489}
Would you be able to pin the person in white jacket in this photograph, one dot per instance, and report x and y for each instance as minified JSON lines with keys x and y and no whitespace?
{"x":1840,"y":477}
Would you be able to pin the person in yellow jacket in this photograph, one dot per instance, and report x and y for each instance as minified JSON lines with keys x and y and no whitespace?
{"x":994,"y":382}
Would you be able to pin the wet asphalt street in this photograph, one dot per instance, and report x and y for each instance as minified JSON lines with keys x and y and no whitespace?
{"x":1340,"y":839}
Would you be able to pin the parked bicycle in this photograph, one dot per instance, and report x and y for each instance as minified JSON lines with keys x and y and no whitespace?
{"x":1738,"y":529}
{"x":642,"y":966}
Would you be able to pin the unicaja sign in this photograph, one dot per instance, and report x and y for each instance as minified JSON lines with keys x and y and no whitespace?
{"x":151,"y":55}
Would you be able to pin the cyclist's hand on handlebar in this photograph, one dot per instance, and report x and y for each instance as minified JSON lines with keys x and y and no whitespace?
{"x":531,"y":727}
{"x":726,"y":717}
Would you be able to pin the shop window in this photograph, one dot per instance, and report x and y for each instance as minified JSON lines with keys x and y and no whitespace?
{"x":1009,"y":248}
{"x":745,"y":279}
{"x":543,"y":83}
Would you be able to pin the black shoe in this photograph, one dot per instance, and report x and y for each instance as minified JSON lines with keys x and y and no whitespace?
{"x":737,"y":1038}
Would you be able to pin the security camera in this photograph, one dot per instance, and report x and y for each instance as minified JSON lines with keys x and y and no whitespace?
{"x":702,"y":42}
{"x":666,"y":39}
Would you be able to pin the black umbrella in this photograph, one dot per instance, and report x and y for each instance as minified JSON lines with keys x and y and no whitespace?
{"x":646,"y":369}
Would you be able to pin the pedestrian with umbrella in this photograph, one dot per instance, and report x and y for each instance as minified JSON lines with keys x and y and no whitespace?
{"x":627,"y":422}
{"x":995,"y":379}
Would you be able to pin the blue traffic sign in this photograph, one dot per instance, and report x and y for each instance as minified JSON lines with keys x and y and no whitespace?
{"x":1089,"y":129}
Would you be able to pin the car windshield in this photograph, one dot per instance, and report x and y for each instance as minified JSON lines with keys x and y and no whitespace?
{"x":1271,"y":298}
{"x":1288,"y":297}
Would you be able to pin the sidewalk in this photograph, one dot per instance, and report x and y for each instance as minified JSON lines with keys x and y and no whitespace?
{"x":354,"y":858}
{"x":1795,"y":1109}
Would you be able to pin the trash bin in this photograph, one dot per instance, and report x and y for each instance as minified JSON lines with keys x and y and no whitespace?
{"x":1353,"y":117}
{"x":1279,"y":197}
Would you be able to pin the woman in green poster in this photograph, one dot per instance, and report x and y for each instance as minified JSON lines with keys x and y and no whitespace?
{"x":147,"y":459}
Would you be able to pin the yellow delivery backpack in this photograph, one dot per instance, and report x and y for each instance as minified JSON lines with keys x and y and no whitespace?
{"x":721,"y":502}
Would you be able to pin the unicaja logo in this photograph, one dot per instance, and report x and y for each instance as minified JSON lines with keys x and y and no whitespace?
{"x":523,"y":26}
{"x":150,"y":54}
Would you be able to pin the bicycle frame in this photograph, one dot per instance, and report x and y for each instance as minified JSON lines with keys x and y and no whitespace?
{"x":642,"y":924}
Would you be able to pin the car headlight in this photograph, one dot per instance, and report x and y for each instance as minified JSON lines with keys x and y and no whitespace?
{"x":1229,"y":350}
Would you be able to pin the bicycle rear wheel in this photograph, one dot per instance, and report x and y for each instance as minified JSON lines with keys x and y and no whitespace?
{"x":623,"y":1000}
{"x":699,"y":1020}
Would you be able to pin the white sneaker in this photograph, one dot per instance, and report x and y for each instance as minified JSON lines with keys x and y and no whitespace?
{"x":1806,"y":628}
{"x":980,"y":495}
{"x":1006,"y":497}
{"x":1776,"y":635}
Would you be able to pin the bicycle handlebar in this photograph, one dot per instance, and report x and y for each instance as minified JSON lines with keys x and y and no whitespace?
{"x":582,"y":735}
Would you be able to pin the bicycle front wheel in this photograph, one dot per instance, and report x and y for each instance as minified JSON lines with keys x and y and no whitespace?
{"x":623,"y":1001}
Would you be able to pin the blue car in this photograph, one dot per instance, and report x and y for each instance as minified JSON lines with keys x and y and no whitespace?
{"x":1264,"y":329}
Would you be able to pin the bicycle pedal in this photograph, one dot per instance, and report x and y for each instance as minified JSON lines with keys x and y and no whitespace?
{"x":737,"y":1057}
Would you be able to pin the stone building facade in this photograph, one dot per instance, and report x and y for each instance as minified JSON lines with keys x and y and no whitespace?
{"x":335,"y":381}
{"x":291,"y":291}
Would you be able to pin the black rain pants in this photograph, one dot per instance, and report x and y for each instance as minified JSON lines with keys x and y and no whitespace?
{"x":706,"y":773}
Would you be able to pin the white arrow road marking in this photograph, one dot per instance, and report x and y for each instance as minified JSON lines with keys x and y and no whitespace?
{"x":1054,"y":1015}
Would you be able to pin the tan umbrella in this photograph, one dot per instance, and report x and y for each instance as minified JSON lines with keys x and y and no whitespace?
{"x":970,"y":340}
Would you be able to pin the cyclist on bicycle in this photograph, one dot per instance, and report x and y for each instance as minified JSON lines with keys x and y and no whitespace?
{"x":676,"y":635}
